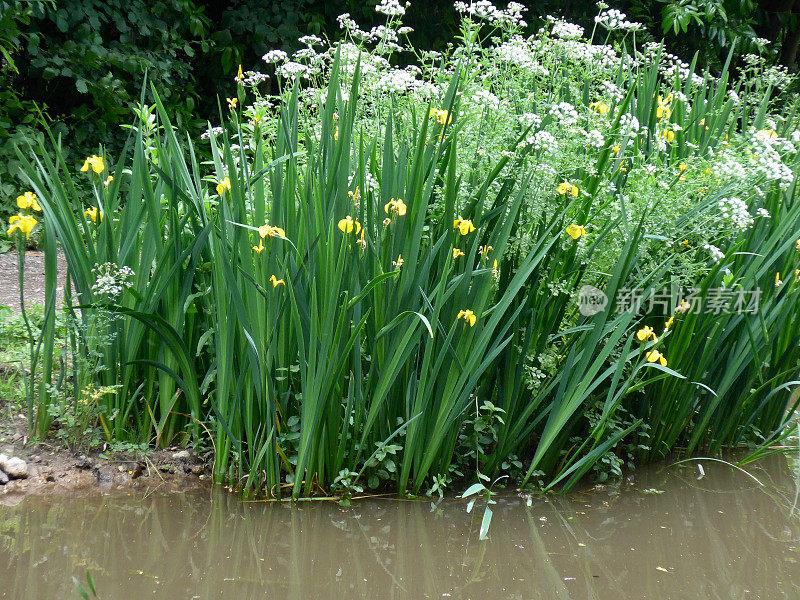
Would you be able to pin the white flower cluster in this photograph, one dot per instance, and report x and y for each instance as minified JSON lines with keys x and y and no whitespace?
{"x":483,"y":9}
{"x":716,"y":254}
{"x":564,"y":113}
{"x":564,"y":30}
{"x":254,"y":78}
{"x":391,"y":8}
{"x":275,"y":56}
{"x":216,"y":131}
{"x":310,"y":40}
{"x":614,"y":19}
{"x":517,"y":52}
{"x":735,"y":210}
{"x":530,"y":119}
{"x":629,"y":123}
{"x":763,"y":213}
{"x":291,"y":70}
{"x":777,"y":76}
{"x":396,"y":81}
{"x":486,"y":98}
{"x":541,"y":140}
{"x":612,"y":91}
{"x":595,"y":139}
{"x":111,"y":280}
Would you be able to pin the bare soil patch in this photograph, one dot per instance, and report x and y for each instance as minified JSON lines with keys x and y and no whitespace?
{"x":34,"y":279}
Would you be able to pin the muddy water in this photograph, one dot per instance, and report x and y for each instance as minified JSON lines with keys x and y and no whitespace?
{"x":722,"y":536}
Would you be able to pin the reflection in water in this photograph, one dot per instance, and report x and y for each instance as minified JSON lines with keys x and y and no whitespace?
{"x":718,"y":537}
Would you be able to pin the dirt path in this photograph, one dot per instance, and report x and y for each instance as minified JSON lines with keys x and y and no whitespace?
{"x":34,"y":279}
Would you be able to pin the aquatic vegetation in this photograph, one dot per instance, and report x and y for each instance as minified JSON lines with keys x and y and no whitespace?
{"x":534,"y":256}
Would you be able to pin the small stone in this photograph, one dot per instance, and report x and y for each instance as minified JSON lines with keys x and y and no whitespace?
{"x":198,"y":469}
{"x":182,"y":455}
{"x":3,"y":478}
{"x":15,"y":467}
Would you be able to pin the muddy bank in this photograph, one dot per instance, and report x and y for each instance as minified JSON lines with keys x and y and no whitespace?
{"x":59,"y":471}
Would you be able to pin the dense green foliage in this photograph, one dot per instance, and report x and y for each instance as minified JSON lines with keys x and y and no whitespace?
{"x":377,"y":276}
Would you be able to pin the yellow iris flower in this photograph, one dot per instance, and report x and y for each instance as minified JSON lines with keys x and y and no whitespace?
{"x":646,"y":333}
{"x":464,"y":226}
{"x":349,"y":224}
{"x":468,"y":316}
{"x":600,"y":108}
{"x":397,"y":207}
{"x":442,"y":116}
{"x":224,"y":186}
{"x":93,"y":213}
{"x":456,"y":253}
{"x":268,"y":230}
{"x":567,"y":189}
{"x":399,"y":262}
{"x":108,"y":180}
{"x":656,"y":356}
{"x":28,"y":200}
{"x":95,"y":162}
{"x":668,"y":135}
{"x":232,"y":102}
{"x":575,"y":231}
{"x":23,"y":223}
{"x":276,"y":282}
{"x":260,"y":248}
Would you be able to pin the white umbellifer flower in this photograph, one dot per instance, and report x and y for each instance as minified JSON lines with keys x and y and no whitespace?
{"x":305,"y":54}
{"x":612,"y":91}
{"x":275,"y":56}
{"x":566,"y":31}
{"x":253,"y":78}
{"x":483,"y":9}
{"x":716,"y":254}
{"x":530,"y":119}
{"x":396,"y":81}
{"x":629,"y":123}
{"x":595,"y":139}
{"x":565,"y":113}
{"x":391,"y":8}
{"x":345,"y":22}
{"x":763,"y":213}
{"x":310,"y":40}
{"x":111,"y":280}
{"x":217,"y":131}
{"x":541,"y":140}
{"x":516,"y":51}
{"x":291,"y":70}
{"x":735,"y":210}
{"x":614,"y":19}
{"x":486,"y":98}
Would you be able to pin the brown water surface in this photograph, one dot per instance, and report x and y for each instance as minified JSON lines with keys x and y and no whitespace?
{"x":722,"y":536}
